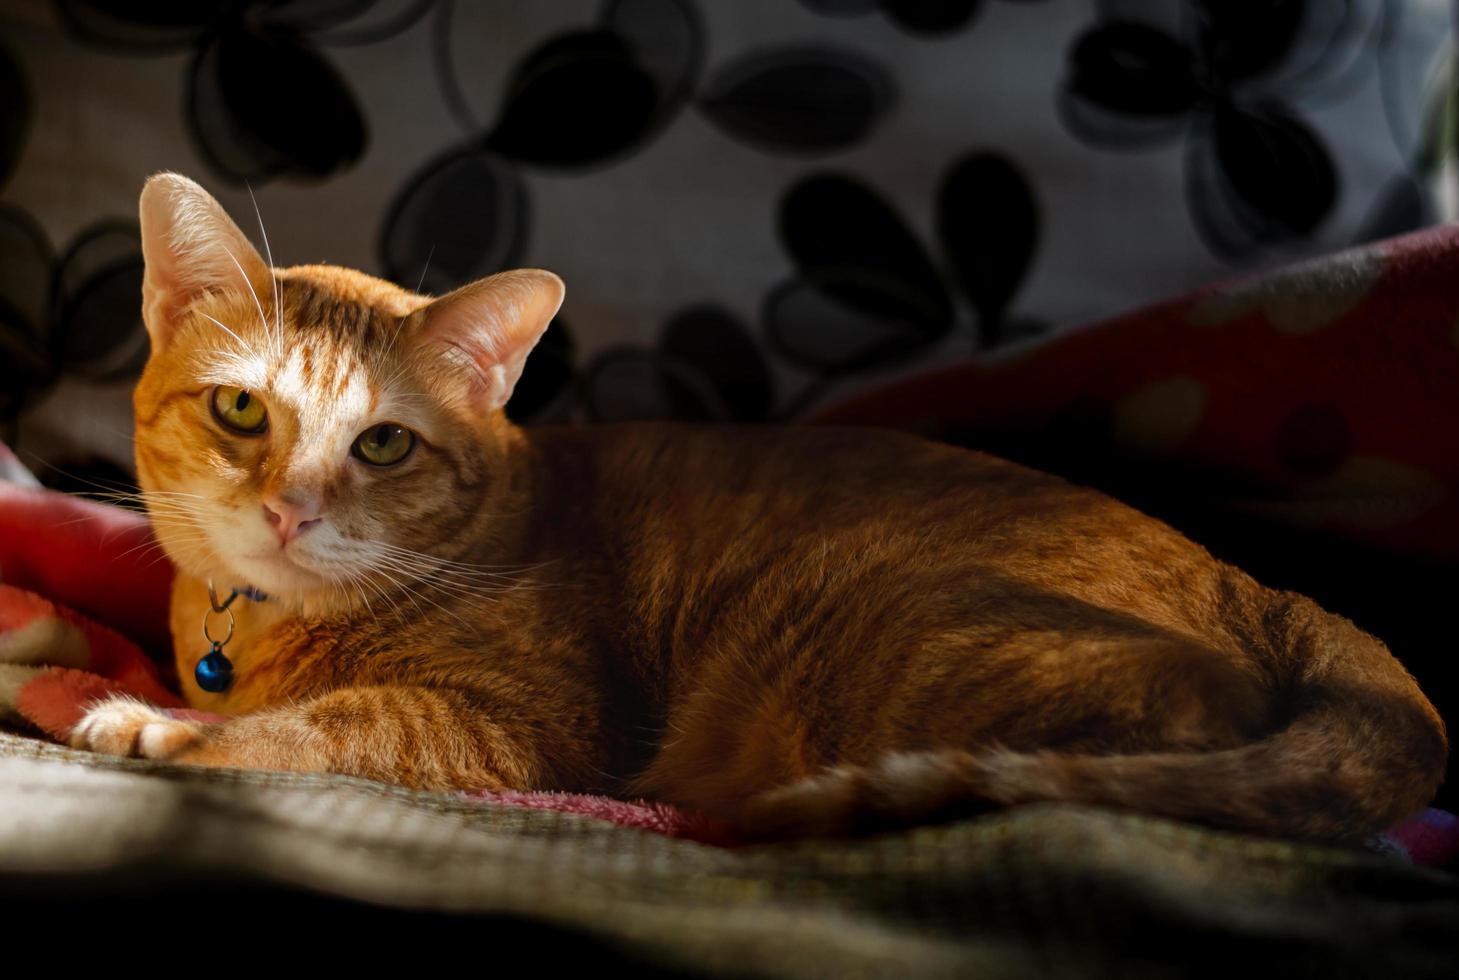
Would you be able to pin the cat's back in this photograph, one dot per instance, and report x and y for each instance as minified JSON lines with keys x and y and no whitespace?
{"x":780,"y":484}
{"x":669,"y":504}
{"x":665,"y":460}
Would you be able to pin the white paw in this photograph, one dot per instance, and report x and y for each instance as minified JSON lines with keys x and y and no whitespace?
{"x":122,"y":726}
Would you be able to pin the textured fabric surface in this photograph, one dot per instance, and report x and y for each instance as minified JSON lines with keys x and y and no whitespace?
{"x":1041,"y":891}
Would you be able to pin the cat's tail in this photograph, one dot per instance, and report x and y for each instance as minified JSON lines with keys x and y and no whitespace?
{"x":1360,"y":749}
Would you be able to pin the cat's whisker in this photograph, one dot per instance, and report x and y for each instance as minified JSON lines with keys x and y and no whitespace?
{"x":412,"y":594}
{"x":428,"y":568}
{"x":229,"y":365}
{"x":262,"y":317}
{"x":177,"y":525}
{"x":345,"y":576}
{"x":156,"y":543}
{"x":424,"y":572}
{"x":193,"y":547}
{"x":161,"y":513}
{"x":402,"y":394}
{"x":230,"y":333}
{"x":396,"y":584}
{"x":356,"y":579}
{"x":164,"y":516}
{"x":421,"y":576}
{"x":108,"y":496}
{"x":38,"y":460}
{"x":474,"y":566}
{"x":364,"y":598}
{"x":400,"y":370}
{"x":278,"y":291}
{"x":139,"y":494}
{"x":429,"y":255}
{"x":384,"y":594}
{"x":435,"y":560}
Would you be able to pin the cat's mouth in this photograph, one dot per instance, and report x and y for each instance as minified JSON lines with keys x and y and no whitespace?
{"x":277,"y":570}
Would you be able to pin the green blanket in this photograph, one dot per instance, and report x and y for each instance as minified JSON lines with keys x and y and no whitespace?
{"x":1038,"y":892}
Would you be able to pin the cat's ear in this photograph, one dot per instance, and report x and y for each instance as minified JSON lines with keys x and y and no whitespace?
{"x":191,"y":247}
{"x":492,"y":325}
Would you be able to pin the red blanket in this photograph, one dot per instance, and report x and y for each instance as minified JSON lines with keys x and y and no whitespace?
{"x":1323,"y":395}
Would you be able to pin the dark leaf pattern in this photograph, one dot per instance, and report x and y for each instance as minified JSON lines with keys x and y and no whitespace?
{"x":1221,"y":81}
{"x":836,"y":323}
{"x":97,"y":330}
{"x":77,"y":314}
{"x":1277,"y":168}
{"x":25,"y":276}
{"x":837,"y":231}
{"x":579,"y":99}
{"x":627,"y":384}
{"x":548,"y":376}
{"x":706,"y":367}
{"x":842,"y":8}
{"x":585,"y":98}
{"x":931,"y":16}
{"x":263,"y":103}
{"x":1130,"y":68}
{"x":1255,"y":178}
{"x":716,"y":343}
{"x":14,"y":113}
{"x":867,"y":289}
{"x":1244,"y":40}
{"x":1256,"y":174}
{"x":316,"y":15}
{"x":798,"y":100}
{"x":988,"y":221}
{"x":461,"y":217}
{"x":156,"y":27}
{"x":928,"y":18}
{"x":667,"y":40}
{"x":261,"y":100}
{"x":25,"y":273}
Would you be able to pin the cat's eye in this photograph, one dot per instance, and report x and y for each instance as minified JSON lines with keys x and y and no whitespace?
{"x":239,"y":410}
{"x":384,"y":444}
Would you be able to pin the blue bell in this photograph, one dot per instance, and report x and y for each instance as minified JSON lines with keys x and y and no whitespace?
{"x":215,"y":671}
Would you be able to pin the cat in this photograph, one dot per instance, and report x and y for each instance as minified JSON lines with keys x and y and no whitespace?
{"x":798,"y":630}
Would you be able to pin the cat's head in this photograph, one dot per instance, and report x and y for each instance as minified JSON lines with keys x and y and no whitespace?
{"x":313,"y":431}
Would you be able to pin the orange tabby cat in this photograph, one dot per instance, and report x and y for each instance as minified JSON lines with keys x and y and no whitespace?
{"x":800,"y":630}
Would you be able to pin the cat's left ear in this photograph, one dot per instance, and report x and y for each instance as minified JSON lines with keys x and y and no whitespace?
{"x":191,"y":247}
{"x":492,"y":325}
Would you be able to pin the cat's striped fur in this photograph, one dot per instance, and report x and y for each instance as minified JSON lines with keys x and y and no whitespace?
{"x":799,"y":630}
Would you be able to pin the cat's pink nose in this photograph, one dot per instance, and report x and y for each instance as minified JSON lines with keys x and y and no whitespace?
{"x":291,"y":516}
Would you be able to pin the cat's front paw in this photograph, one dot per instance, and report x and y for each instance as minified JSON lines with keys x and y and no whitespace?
{"x":123,"y":726}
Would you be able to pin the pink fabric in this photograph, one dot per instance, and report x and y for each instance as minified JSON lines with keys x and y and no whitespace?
{"x":660,"y":818}
{"x":1430,"y":839}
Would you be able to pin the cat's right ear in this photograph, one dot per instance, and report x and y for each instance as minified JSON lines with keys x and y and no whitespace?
{"x":491,"y":325}
{"x":191,"y":247}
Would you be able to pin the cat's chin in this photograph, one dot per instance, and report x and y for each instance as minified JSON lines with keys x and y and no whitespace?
{"x":283,"y":577}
